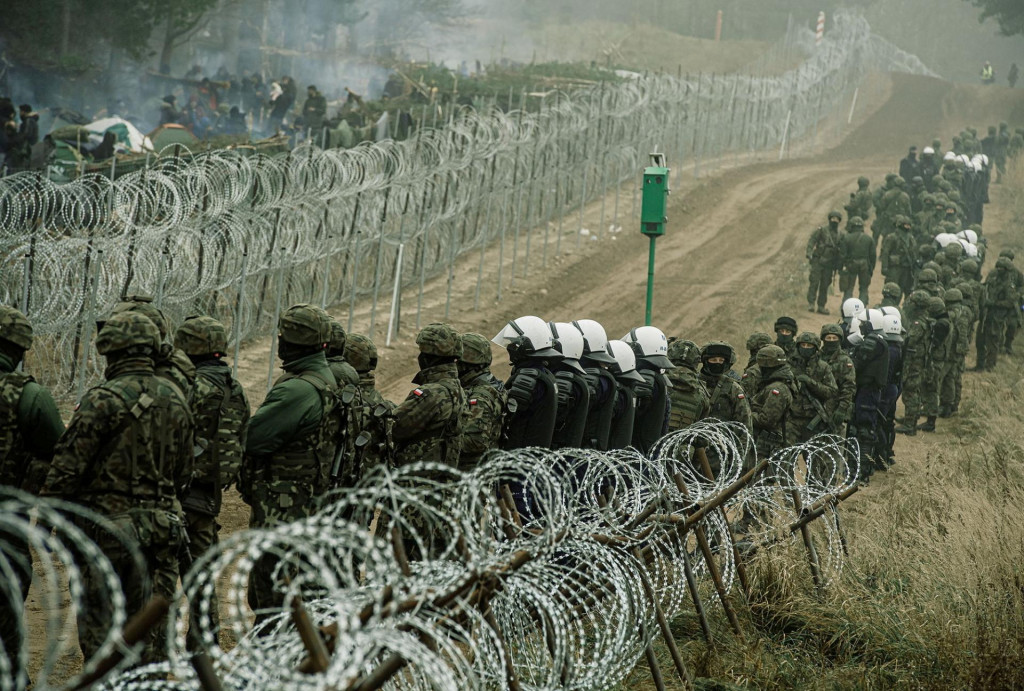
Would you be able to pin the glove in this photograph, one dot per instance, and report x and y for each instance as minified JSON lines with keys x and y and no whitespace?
{"x":838,"y":419}
{"x":804,"y":379}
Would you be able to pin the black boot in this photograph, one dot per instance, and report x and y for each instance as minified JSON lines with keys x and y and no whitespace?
{"x":908,"y":426}
{"x":929,"y":424}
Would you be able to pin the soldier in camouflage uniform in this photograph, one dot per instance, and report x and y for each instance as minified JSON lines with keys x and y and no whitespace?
{"x":916,"y":360}
{"x":343,"y":372}
{"x":960,"y":334}
{"x":29,"y":429}
{"x":941,"y":360}
{"x":690,"y":400}
{"x":1013,"y":324}
{"x":815,"y":387}
{"x":785,"y":334}
{"x":891,"y":296}
{"x":347,"y":470}
{"x":428,"y":423}
{"x":220,"y":410}
{"x":860,"y":201}
{"x":751,"y":378}
{"x":895,"y":202}
{"x":840,"y":406}
{"x":769,"y":409}
{"x":823,"y":255}
{"x":127,"y":454}
{"x":899,"y":255}
{"x":486,"y":399}
{"x":857,"y":253}
{"x":928,"y":281}
{"x":1000,"y":303}
{"x":728,"y":401}
{"x":171,"y":364}
{"x":377,"y":447}
{"x":292,"y":442}
{"x":970,"y":287}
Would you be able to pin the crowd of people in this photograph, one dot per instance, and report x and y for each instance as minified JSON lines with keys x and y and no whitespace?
{"x":155,"y":445}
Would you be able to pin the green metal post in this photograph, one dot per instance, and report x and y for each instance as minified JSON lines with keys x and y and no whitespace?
{"x":650,"y":281}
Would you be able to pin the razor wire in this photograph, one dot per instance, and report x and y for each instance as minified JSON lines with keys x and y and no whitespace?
{"x":544,"y":567}
{"x":234,"y":234}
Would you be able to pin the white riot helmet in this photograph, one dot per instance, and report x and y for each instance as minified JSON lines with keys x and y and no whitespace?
{"x":965,"y":159}
{"x":852,"y":307}
{"x":854,"y":337}
{"x":527,"y":337}
{"x":892,"y":327}
{"x":625,"y":361}
{"x":984,"y":160}
{"x":968,"y":235}
{"x":949,"y":156}
{"x":649,"y":344}
{"x":928,"y":151}
{"x":875,"y":318}
{"x":970,"y":249}
{"x":889,"y":309}
{"x":569,"y":342}
{"x":944,"y":239}
{"x":594,"y":341}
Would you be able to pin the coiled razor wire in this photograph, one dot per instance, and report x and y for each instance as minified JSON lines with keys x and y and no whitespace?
{"x":535,"y":565}
{"x":233,"y":234}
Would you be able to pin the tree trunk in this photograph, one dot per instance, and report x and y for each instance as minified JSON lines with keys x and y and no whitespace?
{"x":167,"y":49}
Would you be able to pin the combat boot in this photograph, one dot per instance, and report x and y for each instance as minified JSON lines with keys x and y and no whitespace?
{"x":928,"y":425}
{"x":810,"y":306}
{"x":822,"y":310}
{"x":945,"y":411}
{"x":908,"y":426}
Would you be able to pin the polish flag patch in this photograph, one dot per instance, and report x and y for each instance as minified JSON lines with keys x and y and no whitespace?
{"x":775,"y":392}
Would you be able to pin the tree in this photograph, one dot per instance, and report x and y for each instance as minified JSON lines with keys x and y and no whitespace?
{"x":179,"y":20}
{"x":1009,"y":14}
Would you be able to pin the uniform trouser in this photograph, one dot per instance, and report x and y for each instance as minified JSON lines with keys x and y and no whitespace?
{"x":159,"y":576}
{"x":888,"y":408}
{"x":990,"y":336}
{"x":820,"y":279}
{"x":202,"y":535}
{"x":930,"y":388}
{"x":949,"y":384}
{"x":12,"y":596}
{"x":913,"y":387}
{"x":859,"y":274}
{"x":903,"y":277}
{"x":958,"y":383}
{"x":1012,"y":325}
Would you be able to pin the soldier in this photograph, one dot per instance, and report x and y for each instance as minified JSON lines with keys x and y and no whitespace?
{"x":949,"y":264}
{"x":690,"y":401}
{"x":596,"y":361}
{"x":376,"y":449}
{"x":893,"y":334}
{"x":1013,"y":324}
{"x":486,"y":400}
{"x":941,"y":359}
{"x":971,"y":289}
{"x":314,"y":112}
{"x":171,"y":364}
{"x":823,"y":254}
{"x":814,"y":388}
{"x":895,"y":202}
{"x":1000,"y":303}
{"x":344,"y":373}
{"x":870,"y":357}
{"x":899,"y":255}
{"x":631,"y":387}
{"x":928,"y":281}
{"x":960,"y":343}
{"x":860,"y":201}
{"x":785,"y":332}
{"x":728,"y":400}
{"x":751,"y":379}
{"x":840,"y":406}
{"x":916,"y":360}
{"x":29,"y":429}
{"x":292,"y":442}
{"x":127,"y":454}
{"x":221,"y":414}
{"x":909,"y":166}
{"x":769,"y":409}
{"x":651,"y":349}
{"x":428,"y":423}
{"x":857,"y":252}
{"x":532,"y":389}
{"x":928,"y":168}
{"x":573,"y":388}
{"x":891,"y":296}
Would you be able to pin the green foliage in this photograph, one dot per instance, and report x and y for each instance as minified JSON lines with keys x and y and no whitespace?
{"x":1009,"y":14}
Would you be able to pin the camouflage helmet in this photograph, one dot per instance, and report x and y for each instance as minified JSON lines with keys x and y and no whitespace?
{"x":684,"y":353}
{"x":892,"y":290}
{"x":143,"y":304}
{"x":953,"y":295}
{"x":305,"y":325}
{"x":856,"y":222}
{"x":863,"y":182}
{"x":969,"y":266}
{"x":719,"y":349}
{"x":201,"y":336}
{"x":1004,"y":263}
{"x":361,"y":353}
{"x":337,"y":334}
{"x":1008,"y":253}
{"x":476,"y":350}
{"x":899,"y":181}
{"x":831,"y":328}
{"x":771,"y":356}
{"x":927,"y":276}
{"x":936,"y":306}
{"x":439,"y":339}
{"x":758,"y":340}
{"x":127,"y":329}
{"x":919,"y":299}
{"x":808,"y":337}
{"x":953,"y":250}
{"x":14,"y":327}
{"x":834,"y":214}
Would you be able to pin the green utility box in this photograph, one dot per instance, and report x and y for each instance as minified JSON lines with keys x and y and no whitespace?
{"x":655,"y":200}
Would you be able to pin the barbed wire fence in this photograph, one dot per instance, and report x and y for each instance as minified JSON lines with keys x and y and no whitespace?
{"x":537,"y":569}
{"x":239,"y":236}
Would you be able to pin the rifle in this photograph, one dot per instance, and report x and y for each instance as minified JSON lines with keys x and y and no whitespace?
{"x":821,"y":417}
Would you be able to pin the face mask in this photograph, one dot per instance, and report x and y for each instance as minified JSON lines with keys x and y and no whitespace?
{"x":715,"y":369}
{"x":805,"y":353}
{"x":833,"y":224}
{"x":829,"y":347}
{"x":783,"y":338}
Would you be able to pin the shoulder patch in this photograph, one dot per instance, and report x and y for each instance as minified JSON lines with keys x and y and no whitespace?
{"x":849,"y":364}
{"x":419,"y":392}
{"x":742,"y":395}
{"x":775,"y":392}
{"x":745,"y":375}
{"x":472,"y":401}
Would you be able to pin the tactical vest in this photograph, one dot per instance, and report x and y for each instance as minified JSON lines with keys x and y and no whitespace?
{"x":532,"y":408}
{"x":596,"y":432}
{"x":483,"y":386}
{"x":620,"y":435}
{"x":442,"y":441}
{"x":219,"y":418}
{"x":573,"y":409}
{"x":309,"y":461}
{"x":649,"y":425}
{"x":689,"y":399}
{"x":14,"y":457}
{"x":374,"y":445}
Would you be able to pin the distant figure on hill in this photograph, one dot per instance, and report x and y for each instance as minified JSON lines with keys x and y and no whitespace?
{"x":1011,"y":76}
